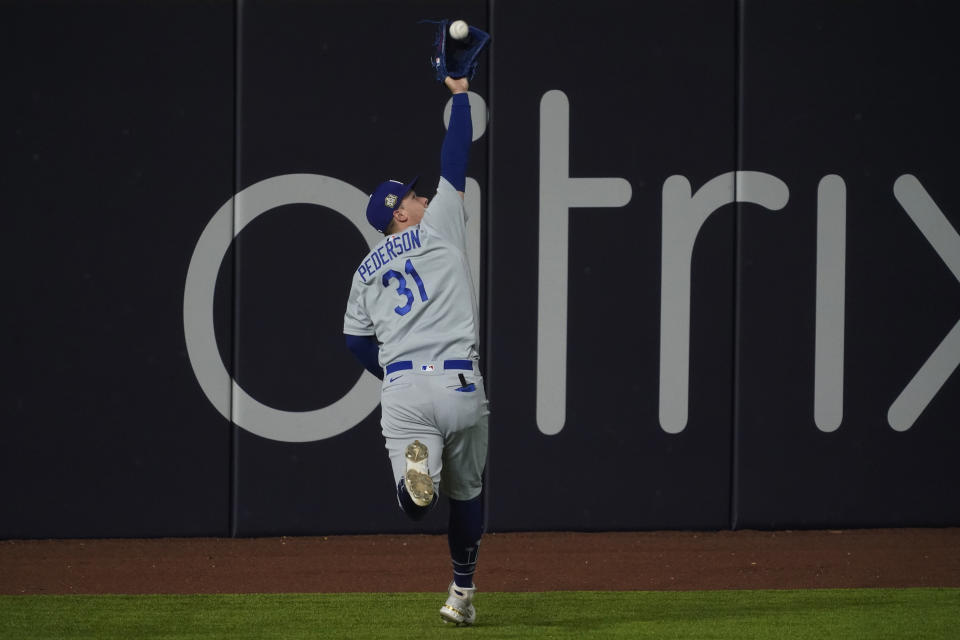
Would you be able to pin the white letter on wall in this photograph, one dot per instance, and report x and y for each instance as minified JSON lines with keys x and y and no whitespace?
{"x":683,"y":215}
{"x":944,"y":360}
{"x":831,"y":286}
{"x":558,"y":193}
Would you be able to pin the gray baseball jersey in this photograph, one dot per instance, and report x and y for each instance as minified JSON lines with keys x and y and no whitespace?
{"x":414,"y":290}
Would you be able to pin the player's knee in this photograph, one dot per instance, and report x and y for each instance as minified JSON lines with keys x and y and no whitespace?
{"x":465,"y":491}
{"x":408,"y":506}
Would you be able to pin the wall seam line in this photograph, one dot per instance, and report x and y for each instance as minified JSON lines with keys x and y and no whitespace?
{"x":486,"y":226}
{"x":737,"y":266}
{"x":234,"y":350}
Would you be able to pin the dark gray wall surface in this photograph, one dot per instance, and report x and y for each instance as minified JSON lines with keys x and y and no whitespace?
{"x":647,"y":99}
{"x":126,"y":127}
{"x":827,"y":92}
{"x":117,"y":129}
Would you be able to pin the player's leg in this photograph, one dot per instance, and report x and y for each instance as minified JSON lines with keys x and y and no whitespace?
{"x":417,"y":492}
{"x":415,"y":449}
{"x":465,"y":529}
{"x":462,"y":413}
{"x":464,"y":457}
{"x":417,"y":479}
{"x":461,"y":409}
{"x":463,"y":421}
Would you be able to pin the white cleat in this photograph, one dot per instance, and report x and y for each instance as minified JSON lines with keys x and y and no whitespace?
{"x":417,"y":477}
{"x":458,"y":608}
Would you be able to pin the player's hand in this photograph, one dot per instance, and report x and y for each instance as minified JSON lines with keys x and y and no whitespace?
{"x":457,"y":85}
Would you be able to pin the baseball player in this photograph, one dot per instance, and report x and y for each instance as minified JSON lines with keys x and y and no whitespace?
{"x":411,"y":320}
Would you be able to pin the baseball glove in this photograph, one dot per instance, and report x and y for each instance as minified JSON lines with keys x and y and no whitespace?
{"x":456,"y":58}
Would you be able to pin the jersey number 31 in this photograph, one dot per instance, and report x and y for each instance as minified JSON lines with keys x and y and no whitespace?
{"x":402,"y":286}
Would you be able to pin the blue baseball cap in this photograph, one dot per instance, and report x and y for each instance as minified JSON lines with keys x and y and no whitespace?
{"x":385,"y":200}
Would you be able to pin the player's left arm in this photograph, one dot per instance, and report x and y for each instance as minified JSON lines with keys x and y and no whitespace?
{"x":455,"y":152}
{"x":367,"y":351}
{"x":359,"y":331}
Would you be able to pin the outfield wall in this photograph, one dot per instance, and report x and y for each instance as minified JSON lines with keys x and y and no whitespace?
{"x":716,"y":247}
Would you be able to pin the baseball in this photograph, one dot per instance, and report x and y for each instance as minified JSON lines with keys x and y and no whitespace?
{"x":459,"y":30}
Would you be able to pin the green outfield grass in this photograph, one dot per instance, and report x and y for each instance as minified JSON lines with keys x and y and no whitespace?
{"x":726,"y":615}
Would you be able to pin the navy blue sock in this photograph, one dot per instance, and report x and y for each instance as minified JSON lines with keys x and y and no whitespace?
{"x":412,"y":509}
{"x":463,"y":536}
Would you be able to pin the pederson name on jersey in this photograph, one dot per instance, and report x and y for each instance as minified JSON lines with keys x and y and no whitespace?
{"x":392,"y":247}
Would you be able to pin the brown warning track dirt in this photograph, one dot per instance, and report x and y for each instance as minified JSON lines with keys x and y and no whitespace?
{"x":508,"y":562}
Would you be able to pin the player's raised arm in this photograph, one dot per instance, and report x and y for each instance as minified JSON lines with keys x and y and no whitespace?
{"x":455,"y":152}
